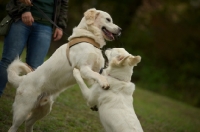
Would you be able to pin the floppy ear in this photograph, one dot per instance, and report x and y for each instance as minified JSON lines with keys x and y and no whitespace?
{"x":90,"y":16}
{"x":120,"y":60}
{"x":134,"y":60}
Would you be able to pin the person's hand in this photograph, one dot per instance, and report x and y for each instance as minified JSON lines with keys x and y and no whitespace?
{"x":27,"y":2}
{"x":57,"y":34}
{"x":27,"y":18}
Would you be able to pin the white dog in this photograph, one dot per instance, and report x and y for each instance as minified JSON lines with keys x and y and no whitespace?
{"x":115,"y":105}
{"x":37,"y":90}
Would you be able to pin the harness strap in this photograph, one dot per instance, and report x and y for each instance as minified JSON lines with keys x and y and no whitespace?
{"x":78,"y":40}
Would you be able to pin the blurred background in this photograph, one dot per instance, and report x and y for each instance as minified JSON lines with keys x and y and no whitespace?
{"x":166,"y":33}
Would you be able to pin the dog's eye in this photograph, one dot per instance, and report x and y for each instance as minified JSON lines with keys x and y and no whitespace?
{"x":108,"y":19}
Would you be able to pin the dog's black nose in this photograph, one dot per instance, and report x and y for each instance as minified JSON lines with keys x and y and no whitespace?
{"x":119,"y":32}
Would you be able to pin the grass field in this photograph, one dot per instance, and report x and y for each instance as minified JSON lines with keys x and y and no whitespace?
{"x":70,"y":113}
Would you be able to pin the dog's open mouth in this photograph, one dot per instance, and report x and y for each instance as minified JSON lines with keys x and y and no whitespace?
{"x":109,"y":35}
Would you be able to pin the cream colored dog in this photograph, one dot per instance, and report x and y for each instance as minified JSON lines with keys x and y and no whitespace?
{"x":115,"y":105}
{"x":37,"y":90}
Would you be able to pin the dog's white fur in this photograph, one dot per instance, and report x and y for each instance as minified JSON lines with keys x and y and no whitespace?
{"x":115,"y":105}
{"x":37,"y":90}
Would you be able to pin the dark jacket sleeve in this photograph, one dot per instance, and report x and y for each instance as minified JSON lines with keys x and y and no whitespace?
{"x":15,"y":9}
{"x":62,"y":15}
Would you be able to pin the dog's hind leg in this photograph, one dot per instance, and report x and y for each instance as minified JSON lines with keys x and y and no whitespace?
{"x":19,"y":116}
{"x":38,"y":113}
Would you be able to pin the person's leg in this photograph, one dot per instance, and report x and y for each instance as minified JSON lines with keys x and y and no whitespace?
{"x":14,"y":43}
{"x":38,"y":44}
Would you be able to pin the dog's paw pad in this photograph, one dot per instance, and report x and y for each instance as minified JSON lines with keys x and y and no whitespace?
{"x":104,"y":83}
{"x":106,"y":87}
{"x":94,"y":108}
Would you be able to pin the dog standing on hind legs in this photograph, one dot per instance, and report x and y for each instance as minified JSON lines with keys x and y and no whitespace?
{"x":115,"y":105}
{"x":37,"y":90}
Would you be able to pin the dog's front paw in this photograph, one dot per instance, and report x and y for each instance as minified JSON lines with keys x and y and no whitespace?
{"x":94,"y":108}
{"x":104,"y":83}
{"x":76,"y":73}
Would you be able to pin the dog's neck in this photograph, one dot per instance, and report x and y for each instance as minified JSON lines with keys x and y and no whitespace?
{"x":119,"y":74}
{"x":91,"y":31}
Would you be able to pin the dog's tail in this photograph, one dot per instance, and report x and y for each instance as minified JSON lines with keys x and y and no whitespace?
{"x":16,"y":70}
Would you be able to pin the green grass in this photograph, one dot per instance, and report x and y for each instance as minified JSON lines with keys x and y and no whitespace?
{"x":161,"y":114}
{"x":70,"y":114}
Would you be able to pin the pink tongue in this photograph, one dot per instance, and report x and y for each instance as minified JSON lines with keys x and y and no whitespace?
{"x":111,"y":35}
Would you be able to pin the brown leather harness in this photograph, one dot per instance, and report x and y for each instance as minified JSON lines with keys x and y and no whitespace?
{"x":78,"y":40}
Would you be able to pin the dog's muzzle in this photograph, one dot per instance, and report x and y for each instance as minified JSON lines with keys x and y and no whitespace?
{"x":118,"y":34}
